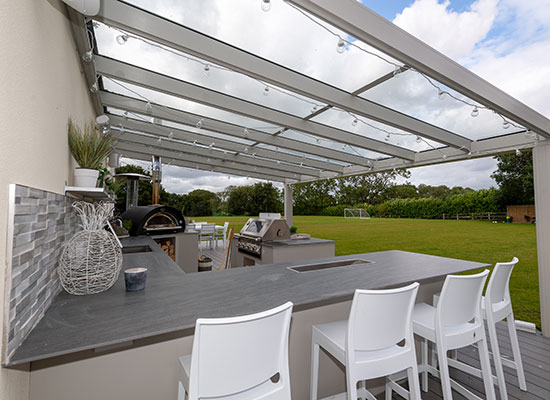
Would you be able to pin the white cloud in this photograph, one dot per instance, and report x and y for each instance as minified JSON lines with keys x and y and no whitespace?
{"x":455,"y":34}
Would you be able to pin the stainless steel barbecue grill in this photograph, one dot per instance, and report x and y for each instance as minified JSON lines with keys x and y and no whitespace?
{"x":260,"y":230}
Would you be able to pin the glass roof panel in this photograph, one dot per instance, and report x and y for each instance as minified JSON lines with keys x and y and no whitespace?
{"x":207,"y":134}
{"x":374,"y":130}
{"x":412,"y":94}
{"x":331,"y":144}
{"x":153,"y":96}
{"x":157,"y":58}
{"x":310,"y":50}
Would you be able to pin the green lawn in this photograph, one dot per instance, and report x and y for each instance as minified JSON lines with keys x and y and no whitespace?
{"x":467,"y":240}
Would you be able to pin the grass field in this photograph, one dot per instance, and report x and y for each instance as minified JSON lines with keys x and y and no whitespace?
{"x":467,"y":240}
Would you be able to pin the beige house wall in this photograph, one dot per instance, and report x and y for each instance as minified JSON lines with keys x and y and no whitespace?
{"x":41,"y":85}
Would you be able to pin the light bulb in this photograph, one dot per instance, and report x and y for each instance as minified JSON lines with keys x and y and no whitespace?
{"x":505,"y":124}
{"x":206,"y":69}
{"x":199,"y":124}
{"x":266,"y":5}
{"x":475,"y":112}
{"x":125,"y":115}
{"x":87,"y":57}
{"x":387,"y":138}
{"x":148,"y":107}
{"x":313,"y":109}
{"x":266,"y":91}
{"x":341,"y":47}
{"x":444,"y":157}
{"x":318,"y":141}
{"x":246,"y":149}
{"x":354,"y":123}
{"x":94,"y":88}
{"x":194,"y":143}
{"x":518,"y":152}
{"x":159,"y":141}
{"x":171,"y":135}
{"x":121,"y":39}
{"x":469,"y":154}
{"x":246,"y":133}
{"x":418,"y":139}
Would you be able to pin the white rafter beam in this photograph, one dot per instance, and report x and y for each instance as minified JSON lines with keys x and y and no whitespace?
{"x":171,"y":114}
{"x":188,"y":136}
{"x":362,"y":23}
{"x":124,"y":145}
{"x":166,"y":84}
{"x":482,"y":148}
{"x":150,"y":26}
{"x":198,"y":153}
{"x":141,"y":154}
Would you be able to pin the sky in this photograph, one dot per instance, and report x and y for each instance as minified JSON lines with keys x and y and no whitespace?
{"x":506,"y":42}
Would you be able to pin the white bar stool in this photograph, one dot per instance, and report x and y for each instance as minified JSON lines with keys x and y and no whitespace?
{"x":497,"y":296}
{"x":456,"y":322}
{"x":239,"y":358}
{"x":369,"y":344}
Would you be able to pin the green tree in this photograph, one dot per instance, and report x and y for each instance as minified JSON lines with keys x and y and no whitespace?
{"x":311,"y":198}
{"x":265,"y":198}
{"x":514,"y":177}
{"x":239,"y":200}
{"x":199,"y":203}
{"x":369,"y":188}
{"x":405,"y":191}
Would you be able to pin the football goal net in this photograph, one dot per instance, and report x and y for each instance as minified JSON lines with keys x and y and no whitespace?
{"x":356,"y":213}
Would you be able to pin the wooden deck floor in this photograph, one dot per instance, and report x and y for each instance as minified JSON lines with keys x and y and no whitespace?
{"x":216,"y":254}
{"x":535,"y":351}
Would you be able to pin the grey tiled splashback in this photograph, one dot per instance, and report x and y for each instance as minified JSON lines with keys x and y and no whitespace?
{"x":42,"y":223}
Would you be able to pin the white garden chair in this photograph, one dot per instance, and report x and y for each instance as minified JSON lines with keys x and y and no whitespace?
{"x":369,"y":344}
{"x":239,"y":358}
{"x":222,"y":234}
{"x":455,"y":323}
{"x":207,"y":232}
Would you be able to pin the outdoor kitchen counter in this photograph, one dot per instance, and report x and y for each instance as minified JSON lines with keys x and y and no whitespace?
{"x":173,"y":300}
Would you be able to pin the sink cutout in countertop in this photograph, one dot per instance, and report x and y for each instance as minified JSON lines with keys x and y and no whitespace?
{"x":329,"y":265}
{"x":141,"y":248}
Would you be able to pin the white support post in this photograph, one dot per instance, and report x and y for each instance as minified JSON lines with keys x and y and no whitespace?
{"x":288,"y":203}
{"x":541,"y":166}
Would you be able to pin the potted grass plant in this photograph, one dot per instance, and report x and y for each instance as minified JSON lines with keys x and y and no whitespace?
{"x":89,"y":148}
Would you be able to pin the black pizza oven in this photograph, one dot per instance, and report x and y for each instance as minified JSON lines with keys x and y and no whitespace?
{"x":154,"y":220}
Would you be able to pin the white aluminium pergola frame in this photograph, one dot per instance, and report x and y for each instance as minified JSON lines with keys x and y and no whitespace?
{"x":306,"y":161}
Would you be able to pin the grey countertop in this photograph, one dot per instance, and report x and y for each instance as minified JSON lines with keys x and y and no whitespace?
{"x":173,"y":300}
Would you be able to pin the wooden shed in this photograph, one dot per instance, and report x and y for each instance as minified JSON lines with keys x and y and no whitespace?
{"x":521,"y":214}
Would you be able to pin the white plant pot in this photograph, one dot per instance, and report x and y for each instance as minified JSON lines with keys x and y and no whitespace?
{"x":84,"y":177}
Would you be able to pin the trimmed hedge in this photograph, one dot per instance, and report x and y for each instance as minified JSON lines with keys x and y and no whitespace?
{"x":484,"y":200}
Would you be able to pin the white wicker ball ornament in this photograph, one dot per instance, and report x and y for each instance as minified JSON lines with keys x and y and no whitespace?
{"x":92,"y":258}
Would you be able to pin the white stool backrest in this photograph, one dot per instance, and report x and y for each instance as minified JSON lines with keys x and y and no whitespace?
{"x":498,"y":287}
{"x":460,"y":300}
{"x":234,"y":354}
{"x":208,"y":228}
{"x":380,"y":318}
